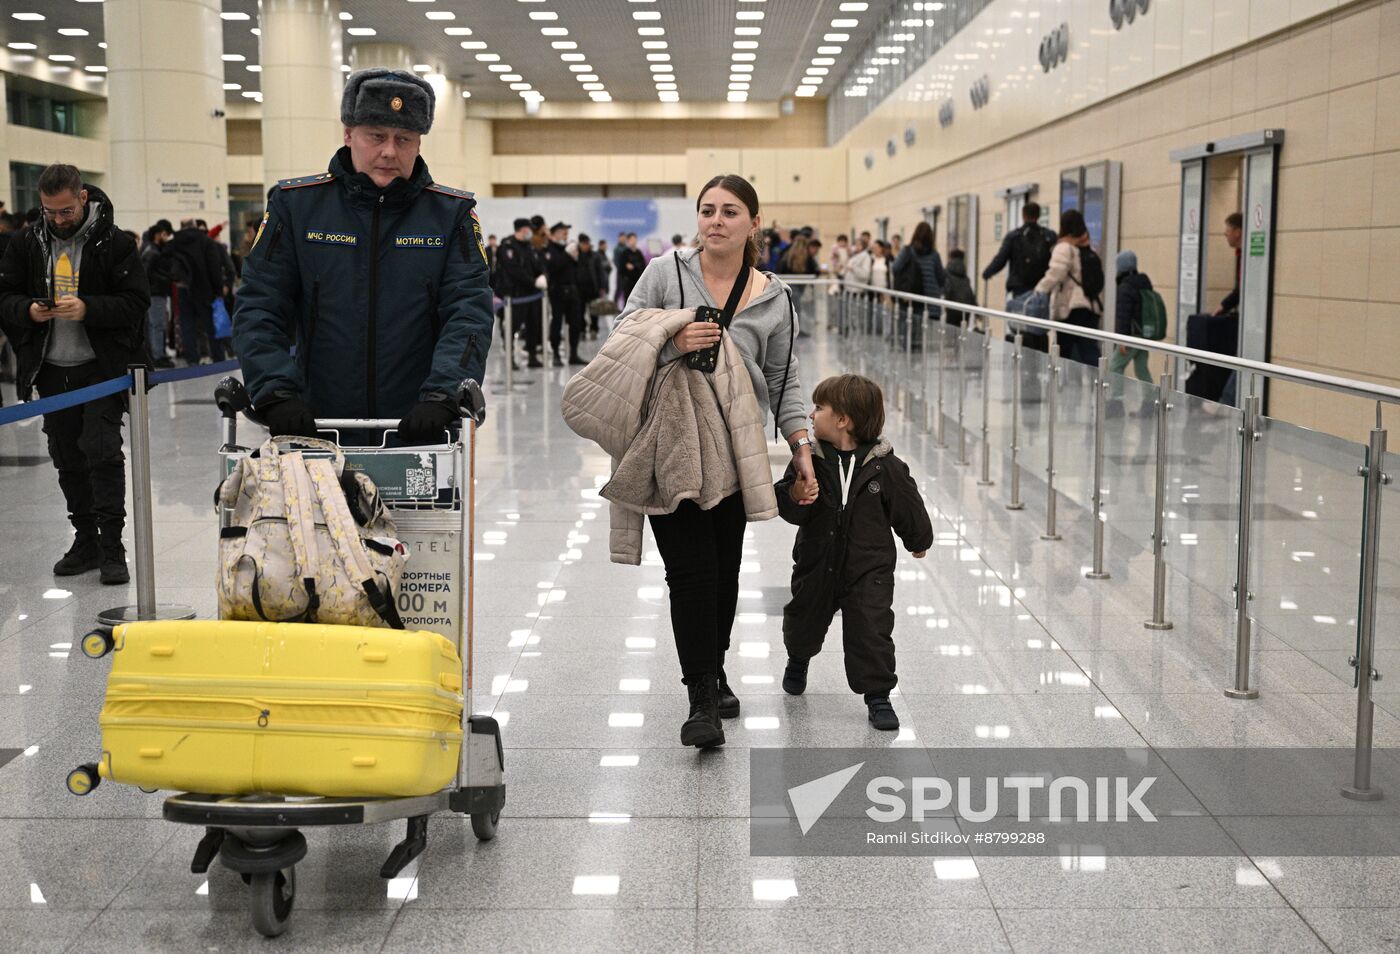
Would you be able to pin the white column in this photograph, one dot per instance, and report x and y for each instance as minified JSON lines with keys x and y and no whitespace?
{"x":301,"y":53}
{"x":478,"y":148}
{"x":394,"y":56}
{"x":165,"y":101}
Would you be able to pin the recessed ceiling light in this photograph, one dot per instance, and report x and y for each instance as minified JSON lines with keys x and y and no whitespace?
{"x":806,"y":91}
{"x":21,"y":46}
{"x":72,"y":31}
{"x":22,"y":58}
{"x":739,"y":77}
{"x":473,"y":45}
{"x":457,"y":31}
{"x":466,"y":94}
{"x":654,"y":44}
{"x":665,"y":85}
{"x":660,"y":67}
{"x":854,"y":7}
{"x":745,"y":44}
{"x":817,"y":71}
{"x":555,"y":31}
{"x":440,"y":15}
{"x":234,"y":16}
{"x":743,"y":86}
{"x":255,"y":31}
{"x":361,"y":31}
{"x":658,"y":57}
{"x":253,"y":68}
{"x":488,"y":57}
{"x":422,"y":68}
{"x":519,"y":86}
{"x":646,"y":15}
{"x":346,"y":16}
{"x":62,"y":57}
{"x":837,"y":37}
{"x":663,"y":78}
{"x":500,"y":67}
{"x":586,"y":77}
{"x":102,"y":46}
{"x":95,"y":69}
{"x":823,"y":61}
{"x":749,"y":15}
{"x":40,"y":16}
{"x":511,"y":78}
{"x":829,"y":50}
{"x":600,"y":97}
{"x":845,"y":24}
{"x":669,"y":97}
{"x":564,"y":45}
{"x":234,"y":57}
{"x":543,"y":15}
{"x":572,"y":57}
{"x":344,"y":67}
{"x":580,"y":68}
{"x":232,"y":86}
{"x":651,"y":31}
{"x":592,"y":87}
{"x":738,"y":97}
{"x":744,"y":57}
{"x":748,"y":31}
{"x":60,"y":69}
{"x":741,"y":67}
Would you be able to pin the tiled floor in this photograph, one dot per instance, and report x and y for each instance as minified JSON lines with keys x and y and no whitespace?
{"x":995,"y":628}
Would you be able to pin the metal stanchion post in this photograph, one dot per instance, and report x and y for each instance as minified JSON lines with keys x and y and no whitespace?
{"x":986,"y":480}
{"x":1159,"y":514}
{"x":1361,"y":788}
{"x":1052,"y":372}
{"x":146,"y":607}
{"x":962,"y":460}
{"x":508,"y":334}
{"x":908,"y":360}
{"x":942,"y":362}
{"x":1016,"y":357}
{"x":1100,"y":420}
{"x":1249,"y":435}
{"x":544,"y":330}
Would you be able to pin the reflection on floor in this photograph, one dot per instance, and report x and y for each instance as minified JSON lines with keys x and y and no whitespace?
{"x":614,"y":837}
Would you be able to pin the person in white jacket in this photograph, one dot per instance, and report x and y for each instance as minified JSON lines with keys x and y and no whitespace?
{"x":1064,"y":283}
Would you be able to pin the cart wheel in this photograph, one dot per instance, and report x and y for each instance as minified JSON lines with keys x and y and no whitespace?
{"x":98,"y":643}
{"x":83,"y":779}
{"x":272,"y":897}
{"x":484,"y":826}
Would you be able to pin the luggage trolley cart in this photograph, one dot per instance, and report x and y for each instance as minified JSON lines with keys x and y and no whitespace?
{"x":431,"y":493}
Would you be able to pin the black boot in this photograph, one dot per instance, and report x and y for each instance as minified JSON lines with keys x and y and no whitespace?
{"x":728,"y":702}
{"x":535,"y":361}
{"x":114,"y":571}
{"x":703,"y":729}
{"x":795,"y":676}
{"x":575,"y":360}
{"x":554,"y":353}
{"x":882,"y":714}
{"x":82,"y":556}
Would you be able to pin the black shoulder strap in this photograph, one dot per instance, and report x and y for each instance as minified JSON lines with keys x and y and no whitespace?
{"x":792,"y":339}
{"x":735,"y":295}
{"x":680,"y":279}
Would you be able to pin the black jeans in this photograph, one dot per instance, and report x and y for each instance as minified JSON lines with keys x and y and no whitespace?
{"x":702,"y":550}
{"x":85,"y":444}
{"x":196,"y":322}
{"x":1075,"y":348}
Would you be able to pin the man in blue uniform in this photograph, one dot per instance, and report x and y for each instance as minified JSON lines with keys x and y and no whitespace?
{"x":375,"y":274}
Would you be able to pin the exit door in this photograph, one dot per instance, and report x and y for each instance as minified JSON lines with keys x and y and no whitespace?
{"x":1096,"y":190}
{"x":1203,"y":212}
{"x":962,"y":228}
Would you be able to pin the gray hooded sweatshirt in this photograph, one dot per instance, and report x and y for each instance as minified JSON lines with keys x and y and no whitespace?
{"x":68,"y":345}
{"x":764,"y":330}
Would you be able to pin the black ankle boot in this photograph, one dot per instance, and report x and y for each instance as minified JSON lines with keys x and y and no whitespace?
{"x":575,"y":360}
{"x":728,"y":702}
{"x":795,"y":676}
{"x":703,"y":729}
{"x":881,"y":713}
{"x":82,"y":556}
{"x":114,"y":571}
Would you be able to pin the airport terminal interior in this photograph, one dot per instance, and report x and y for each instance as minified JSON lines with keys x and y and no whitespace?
{"x":1169,"y":542}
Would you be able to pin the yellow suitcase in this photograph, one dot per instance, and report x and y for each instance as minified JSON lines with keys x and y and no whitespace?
{"x":237,"y":708}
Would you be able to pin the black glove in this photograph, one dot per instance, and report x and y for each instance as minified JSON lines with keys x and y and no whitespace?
{"x":426,"y":423}
{"x":289,"y":417}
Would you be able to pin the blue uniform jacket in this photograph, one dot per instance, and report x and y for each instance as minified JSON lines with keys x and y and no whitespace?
{"x":383,"y":292}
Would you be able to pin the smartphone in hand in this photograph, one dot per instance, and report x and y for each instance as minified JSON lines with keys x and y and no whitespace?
{"x":706,"y":358}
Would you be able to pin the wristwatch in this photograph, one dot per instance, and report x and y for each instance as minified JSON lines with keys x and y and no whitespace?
{"x":801,"y":442}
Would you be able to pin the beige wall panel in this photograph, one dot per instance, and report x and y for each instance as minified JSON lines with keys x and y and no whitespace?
{"x":1388,"y":40}
{"x":1385,"y":189}
{"x":1341,"y":340}
{"x":1384,"y":268}
{"x":622,"y":169}
{"x":1295,"y":328}
{"x":1387,"y":108}
{"x":675,"y":168}
{"x":702,"y":165}
{"x":1355,"y":46}
{"x":1231,"y":24}
{"x":587,"y":168}
{"x":541,"y":169}
{"x":1351,"y":121}
{"x":649,"y":169}
{"x":760,"y":167}
{"x":1382,"y":340}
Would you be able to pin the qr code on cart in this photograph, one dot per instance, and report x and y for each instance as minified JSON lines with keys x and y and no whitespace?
{"x":420,"y":482}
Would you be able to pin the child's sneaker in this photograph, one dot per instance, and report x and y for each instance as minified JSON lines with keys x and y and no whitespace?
{"x":882,"y":714}
{"x":795,"y":676}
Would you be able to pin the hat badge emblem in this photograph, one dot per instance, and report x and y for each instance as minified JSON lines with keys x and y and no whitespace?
{"x":396,"y":103}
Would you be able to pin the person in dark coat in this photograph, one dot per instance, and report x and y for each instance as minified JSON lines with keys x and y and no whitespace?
{"x":633,"y":264}
{"x":73,"y":301}
{"x":202,"y":270}
{"x":959,"y":287}
{"x":376,"y":273}
{"x":517,"y":270}
{"x":565,"y":304}
{"x":919,"y":269}
{"x":845,"y":555}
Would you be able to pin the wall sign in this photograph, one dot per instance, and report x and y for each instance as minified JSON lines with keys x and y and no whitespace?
{"x":1125,"y":11}
{"x":945,"y":114}
{"x":910,"y":135}
{"x":981,"y":91}
{"x":890,"y":148}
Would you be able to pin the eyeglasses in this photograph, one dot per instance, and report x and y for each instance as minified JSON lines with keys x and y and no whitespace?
{"x":53,"y":214}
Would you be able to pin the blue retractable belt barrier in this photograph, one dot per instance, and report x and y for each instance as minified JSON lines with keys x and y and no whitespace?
{"x":21,"y":412}
{"x":500,"y":303}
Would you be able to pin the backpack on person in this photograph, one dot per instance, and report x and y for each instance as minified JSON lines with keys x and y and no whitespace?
{"x":909,"y":278}
{"x":308,"y":541}
{"x":1091,"y":277}
{"x":1154,"y":315}
{"x":1031,"y":258}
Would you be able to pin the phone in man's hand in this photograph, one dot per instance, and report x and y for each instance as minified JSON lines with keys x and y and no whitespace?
{"x":45,"y":303}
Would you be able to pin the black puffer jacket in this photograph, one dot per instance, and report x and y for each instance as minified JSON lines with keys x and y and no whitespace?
{"x":851,"y":547}
{"x":111,"y":283}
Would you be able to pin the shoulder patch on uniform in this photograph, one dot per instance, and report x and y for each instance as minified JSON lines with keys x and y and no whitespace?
{"x":301,"y":181}
{"x":448,"y":190}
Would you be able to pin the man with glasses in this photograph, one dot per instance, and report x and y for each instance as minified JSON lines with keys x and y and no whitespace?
{"x":73,"y":299}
